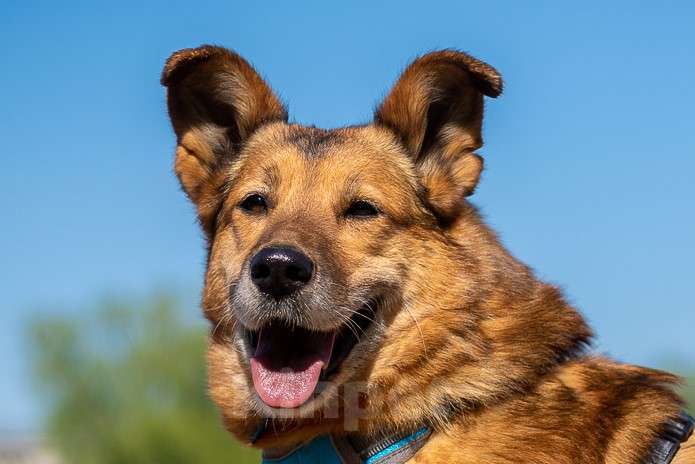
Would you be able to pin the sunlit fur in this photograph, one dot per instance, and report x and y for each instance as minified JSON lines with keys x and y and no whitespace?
{"x":465,"y":337}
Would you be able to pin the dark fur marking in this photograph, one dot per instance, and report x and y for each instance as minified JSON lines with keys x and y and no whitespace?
{"x":313,"y":141}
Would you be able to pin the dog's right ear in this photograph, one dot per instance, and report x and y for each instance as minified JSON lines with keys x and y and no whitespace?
{"x":216,"y":100}
{"x":436,"y":110}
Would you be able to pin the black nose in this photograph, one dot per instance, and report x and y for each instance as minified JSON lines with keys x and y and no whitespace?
{"x":280,"y":271}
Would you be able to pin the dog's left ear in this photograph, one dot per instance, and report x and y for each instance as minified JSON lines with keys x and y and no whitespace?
{"x":216,"y":101}
{"x":436,"y":109}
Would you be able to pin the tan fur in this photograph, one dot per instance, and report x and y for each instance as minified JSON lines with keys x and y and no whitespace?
{"x":687,"y":453}
{"x":465,"y":339}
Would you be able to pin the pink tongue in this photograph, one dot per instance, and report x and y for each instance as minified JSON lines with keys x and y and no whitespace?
{"x":287,"y":364}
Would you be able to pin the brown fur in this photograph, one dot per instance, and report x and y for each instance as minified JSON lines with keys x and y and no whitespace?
{"x":466,"y":338}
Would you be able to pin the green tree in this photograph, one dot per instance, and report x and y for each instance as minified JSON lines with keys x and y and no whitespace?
{"x":126,"y":384}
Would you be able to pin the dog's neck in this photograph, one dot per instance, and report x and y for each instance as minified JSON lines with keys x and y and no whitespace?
{"x":502,"y":333}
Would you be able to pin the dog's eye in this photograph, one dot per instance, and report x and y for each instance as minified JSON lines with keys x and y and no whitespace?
{"x":361,"y":208}
{"x":254,"y":203}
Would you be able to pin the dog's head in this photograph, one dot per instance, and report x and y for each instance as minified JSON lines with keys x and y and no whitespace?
{"x":341,"y":256}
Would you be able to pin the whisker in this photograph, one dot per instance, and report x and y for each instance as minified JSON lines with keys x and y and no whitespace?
{"x":419,"y":329}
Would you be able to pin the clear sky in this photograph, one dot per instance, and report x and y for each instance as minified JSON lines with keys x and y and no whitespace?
{"x":590,"y":152}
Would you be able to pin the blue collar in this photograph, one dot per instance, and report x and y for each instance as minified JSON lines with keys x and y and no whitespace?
{"x":327,"y":449}
{"x":396,"y":449}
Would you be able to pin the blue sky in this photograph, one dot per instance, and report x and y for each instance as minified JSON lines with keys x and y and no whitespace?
{"x":590,"y":153}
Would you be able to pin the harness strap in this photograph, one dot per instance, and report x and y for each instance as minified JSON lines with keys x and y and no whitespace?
{"x":674,"y":432}
{"x":391,"y":449}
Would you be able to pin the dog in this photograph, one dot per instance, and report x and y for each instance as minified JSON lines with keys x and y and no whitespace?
{"x":361,"y":310}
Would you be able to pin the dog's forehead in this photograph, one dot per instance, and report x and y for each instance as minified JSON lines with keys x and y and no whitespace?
{"x":368,"y":140}
{"x":314,"y":142}
{"x":368,"y":150}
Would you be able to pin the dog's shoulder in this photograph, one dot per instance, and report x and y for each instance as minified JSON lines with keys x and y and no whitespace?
{"x":587,"y":410}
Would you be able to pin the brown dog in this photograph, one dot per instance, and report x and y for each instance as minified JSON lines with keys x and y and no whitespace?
{"x":354,"y":293}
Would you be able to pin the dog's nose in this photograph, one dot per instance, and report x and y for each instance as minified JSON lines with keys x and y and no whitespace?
{"x":280,"y":271}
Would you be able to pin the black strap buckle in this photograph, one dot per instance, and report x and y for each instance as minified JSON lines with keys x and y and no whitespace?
{"x":675,"y":432}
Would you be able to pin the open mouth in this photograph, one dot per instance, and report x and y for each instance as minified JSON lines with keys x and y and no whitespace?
{"x":289,"y":361}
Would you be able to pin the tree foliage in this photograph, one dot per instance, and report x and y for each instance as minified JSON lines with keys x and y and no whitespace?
{"x":126,"y":384}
